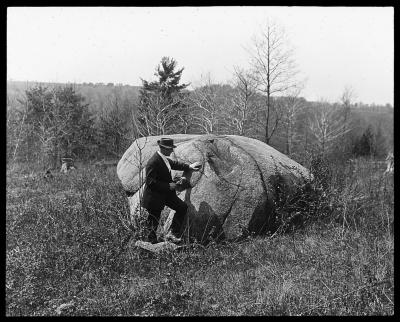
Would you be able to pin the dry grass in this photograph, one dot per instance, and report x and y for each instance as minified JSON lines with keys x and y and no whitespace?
{"x":65,"y":246}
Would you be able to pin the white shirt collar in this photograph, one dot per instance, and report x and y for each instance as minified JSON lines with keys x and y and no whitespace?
{"x":165,"y":160}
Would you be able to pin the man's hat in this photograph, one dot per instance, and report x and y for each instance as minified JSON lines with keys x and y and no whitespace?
{"x":166,"y":143}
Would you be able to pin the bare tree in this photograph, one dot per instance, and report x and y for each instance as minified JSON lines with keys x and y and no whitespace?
{"x":135,"y":221}
{"x":53,"y":127}
{"x":156,"y":119}
{"x":205,"y":106}
{"x":326,"y":126}
{"x":17,"y":129}
{"x":184,"y":119}
{"x":114,"y":124}
{"x":242,"y":106}
{"x":274,"y":69}
{"x":291,"y":105}
{"x":346,"y":99}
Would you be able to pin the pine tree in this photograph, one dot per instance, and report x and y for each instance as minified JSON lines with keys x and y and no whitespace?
{"x":365,"y":145}
{"x":168,"y":80}
{"x":379,"y":143}
{"x":161,"y":100}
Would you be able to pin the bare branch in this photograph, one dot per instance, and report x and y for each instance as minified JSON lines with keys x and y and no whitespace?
{"x":274,"y":70}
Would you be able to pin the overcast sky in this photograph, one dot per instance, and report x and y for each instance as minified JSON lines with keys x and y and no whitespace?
{"x":334,"y":47}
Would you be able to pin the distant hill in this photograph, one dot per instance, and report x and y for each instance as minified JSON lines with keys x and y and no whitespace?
{"x":95,"y":94}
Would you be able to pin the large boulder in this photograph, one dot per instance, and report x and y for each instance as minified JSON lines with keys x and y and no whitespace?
{"x":235,"y":191}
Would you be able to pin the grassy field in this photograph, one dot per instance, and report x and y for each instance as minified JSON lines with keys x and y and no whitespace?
{"x":66,"y":255}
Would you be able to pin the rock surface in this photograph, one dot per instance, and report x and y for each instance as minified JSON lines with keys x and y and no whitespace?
{"x":233,"y":194}
{"x":158,"y":247}
{"x":65,"y":306}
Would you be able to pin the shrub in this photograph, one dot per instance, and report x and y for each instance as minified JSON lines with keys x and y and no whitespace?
{"x":337,"y":193}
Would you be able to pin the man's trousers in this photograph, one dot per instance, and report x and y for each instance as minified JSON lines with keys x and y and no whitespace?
{"x":180,"y":208}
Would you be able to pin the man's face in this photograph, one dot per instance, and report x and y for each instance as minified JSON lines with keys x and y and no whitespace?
{"x":166,"y":152}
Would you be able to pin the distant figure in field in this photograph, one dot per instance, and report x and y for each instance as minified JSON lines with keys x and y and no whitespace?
{"x":390,"y":163}
{"x":48,"y":174}
{"x":67,"y":165}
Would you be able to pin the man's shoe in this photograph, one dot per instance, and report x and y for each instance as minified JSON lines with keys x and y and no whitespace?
{"x":172,"y":238}
{"x":152,"y":240}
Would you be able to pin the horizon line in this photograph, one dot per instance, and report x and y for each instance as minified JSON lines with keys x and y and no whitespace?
{"x":127,"y":84}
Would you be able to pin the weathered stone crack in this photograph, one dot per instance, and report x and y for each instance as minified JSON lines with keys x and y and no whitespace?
{"x":255,"y":162}
{"x":233,"y":202}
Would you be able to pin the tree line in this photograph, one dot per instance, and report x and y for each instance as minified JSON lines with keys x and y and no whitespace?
{"x":50,"y":122}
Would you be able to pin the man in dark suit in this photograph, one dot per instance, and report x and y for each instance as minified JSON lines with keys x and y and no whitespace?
{"x":160,"y":190}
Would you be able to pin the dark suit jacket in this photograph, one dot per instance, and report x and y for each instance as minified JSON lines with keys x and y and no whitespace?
{"x":158,"y":177}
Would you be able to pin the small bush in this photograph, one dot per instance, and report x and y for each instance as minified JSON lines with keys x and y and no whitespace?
{"x":337,"y":193}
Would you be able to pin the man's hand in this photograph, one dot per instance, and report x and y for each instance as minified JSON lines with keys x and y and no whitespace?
{"x":172,"y":186}
{"x":195,"y":166}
